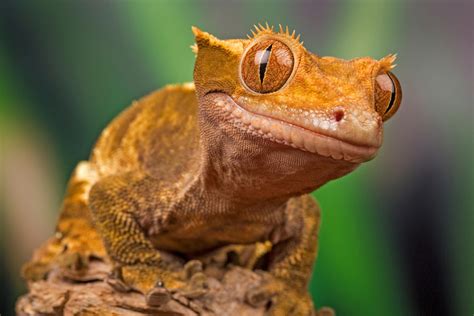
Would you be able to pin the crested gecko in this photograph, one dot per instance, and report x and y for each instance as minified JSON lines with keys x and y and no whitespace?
{"x":229,"y":159}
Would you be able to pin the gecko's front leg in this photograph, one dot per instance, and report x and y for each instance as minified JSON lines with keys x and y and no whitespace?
{"x":291,"y":263}
{"x":115,"y":202}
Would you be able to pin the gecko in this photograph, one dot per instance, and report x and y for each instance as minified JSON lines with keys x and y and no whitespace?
{"x":229,"y":159}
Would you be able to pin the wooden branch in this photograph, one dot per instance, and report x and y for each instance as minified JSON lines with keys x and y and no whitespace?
{"x":83,"y":289}
{"x":61,"y":294}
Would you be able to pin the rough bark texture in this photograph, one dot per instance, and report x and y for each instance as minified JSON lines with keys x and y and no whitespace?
{"x":89,"y":294}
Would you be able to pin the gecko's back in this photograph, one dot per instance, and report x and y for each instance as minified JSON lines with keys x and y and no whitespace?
{"x":156,"y":135}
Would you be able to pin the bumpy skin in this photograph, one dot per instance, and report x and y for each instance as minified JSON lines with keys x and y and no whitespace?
{"x":194,"y":167}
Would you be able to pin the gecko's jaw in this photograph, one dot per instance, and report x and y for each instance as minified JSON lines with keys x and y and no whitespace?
{"x":290,"y":134}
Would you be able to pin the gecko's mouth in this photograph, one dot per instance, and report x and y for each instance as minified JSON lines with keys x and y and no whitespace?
{"x":293,"y":135}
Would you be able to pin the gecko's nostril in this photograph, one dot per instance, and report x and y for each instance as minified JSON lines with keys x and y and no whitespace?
{"x":338,"y":115}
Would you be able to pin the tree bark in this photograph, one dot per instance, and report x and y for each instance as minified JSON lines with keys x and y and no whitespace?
{"x":64,"y":294}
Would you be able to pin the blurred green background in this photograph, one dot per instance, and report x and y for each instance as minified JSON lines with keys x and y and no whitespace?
{"x":397,"y":235}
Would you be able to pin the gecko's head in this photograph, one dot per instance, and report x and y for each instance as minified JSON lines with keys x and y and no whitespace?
{"x":270,"y":88}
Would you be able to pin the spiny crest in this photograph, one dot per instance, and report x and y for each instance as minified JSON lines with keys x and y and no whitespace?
{"x":206,"y":39}
{"x":194,"y":48}
{"x":387,"y":62}
{"x":267,"y":29}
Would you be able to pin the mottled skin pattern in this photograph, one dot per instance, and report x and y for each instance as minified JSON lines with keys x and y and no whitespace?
{"x":194,"y":167}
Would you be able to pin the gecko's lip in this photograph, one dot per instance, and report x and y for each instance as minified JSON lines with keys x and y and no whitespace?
{"x":290,"y":134}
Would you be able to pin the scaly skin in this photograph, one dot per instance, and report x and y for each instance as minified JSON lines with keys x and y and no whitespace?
{"x":223,"y":162}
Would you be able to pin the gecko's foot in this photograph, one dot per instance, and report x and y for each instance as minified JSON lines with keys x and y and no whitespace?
{"x":157,"y":283}
{"x":77,"y":248}
{"x":55,"y":252}
{"x":282,"y":300}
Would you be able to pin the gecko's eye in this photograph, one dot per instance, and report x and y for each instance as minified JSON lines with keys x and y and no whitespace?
{"x":266,"y":66}
{"x":388,"y":95}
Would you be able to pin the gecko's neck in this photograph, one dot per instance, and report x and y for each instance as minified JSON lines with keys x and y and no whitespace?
{"x":255,"y":171}
{"x":244,"y":167}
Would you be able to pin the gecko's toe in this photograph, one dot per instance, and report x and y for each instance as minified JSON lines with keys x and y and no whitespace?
{"x":198,"y":280}
{"x":258,"y":296}
{"x":191,"y":268}
{"x":197,"y":286}
{"x":117,"y":284}
{"x":74,"y":261}
{"x":116,"y":281}
{"x":35,"y":271}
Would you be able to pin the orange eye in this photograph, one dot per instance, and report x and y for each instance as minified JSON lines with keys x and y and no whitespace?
{"x":266,"y":66}
{"x":388,"y":95}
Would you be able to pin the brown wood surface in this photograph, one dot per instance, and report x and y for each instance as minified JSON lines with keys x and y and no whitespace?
{"x":88,"y":294}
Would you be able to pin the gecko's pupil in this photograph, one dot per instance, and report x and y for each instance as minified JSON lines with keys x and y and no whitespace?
{"x":264,"y":62}
{"x":392,"y":95}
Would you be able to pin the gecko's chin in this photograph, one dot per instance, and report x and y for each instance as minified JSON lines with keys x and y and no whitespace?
{"x":279,"y":131}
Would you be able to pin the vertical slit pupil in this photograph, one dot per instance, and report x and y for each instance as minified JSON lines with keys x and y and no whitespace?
{"x":392,"y":96}
{"x":264,"y":62}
